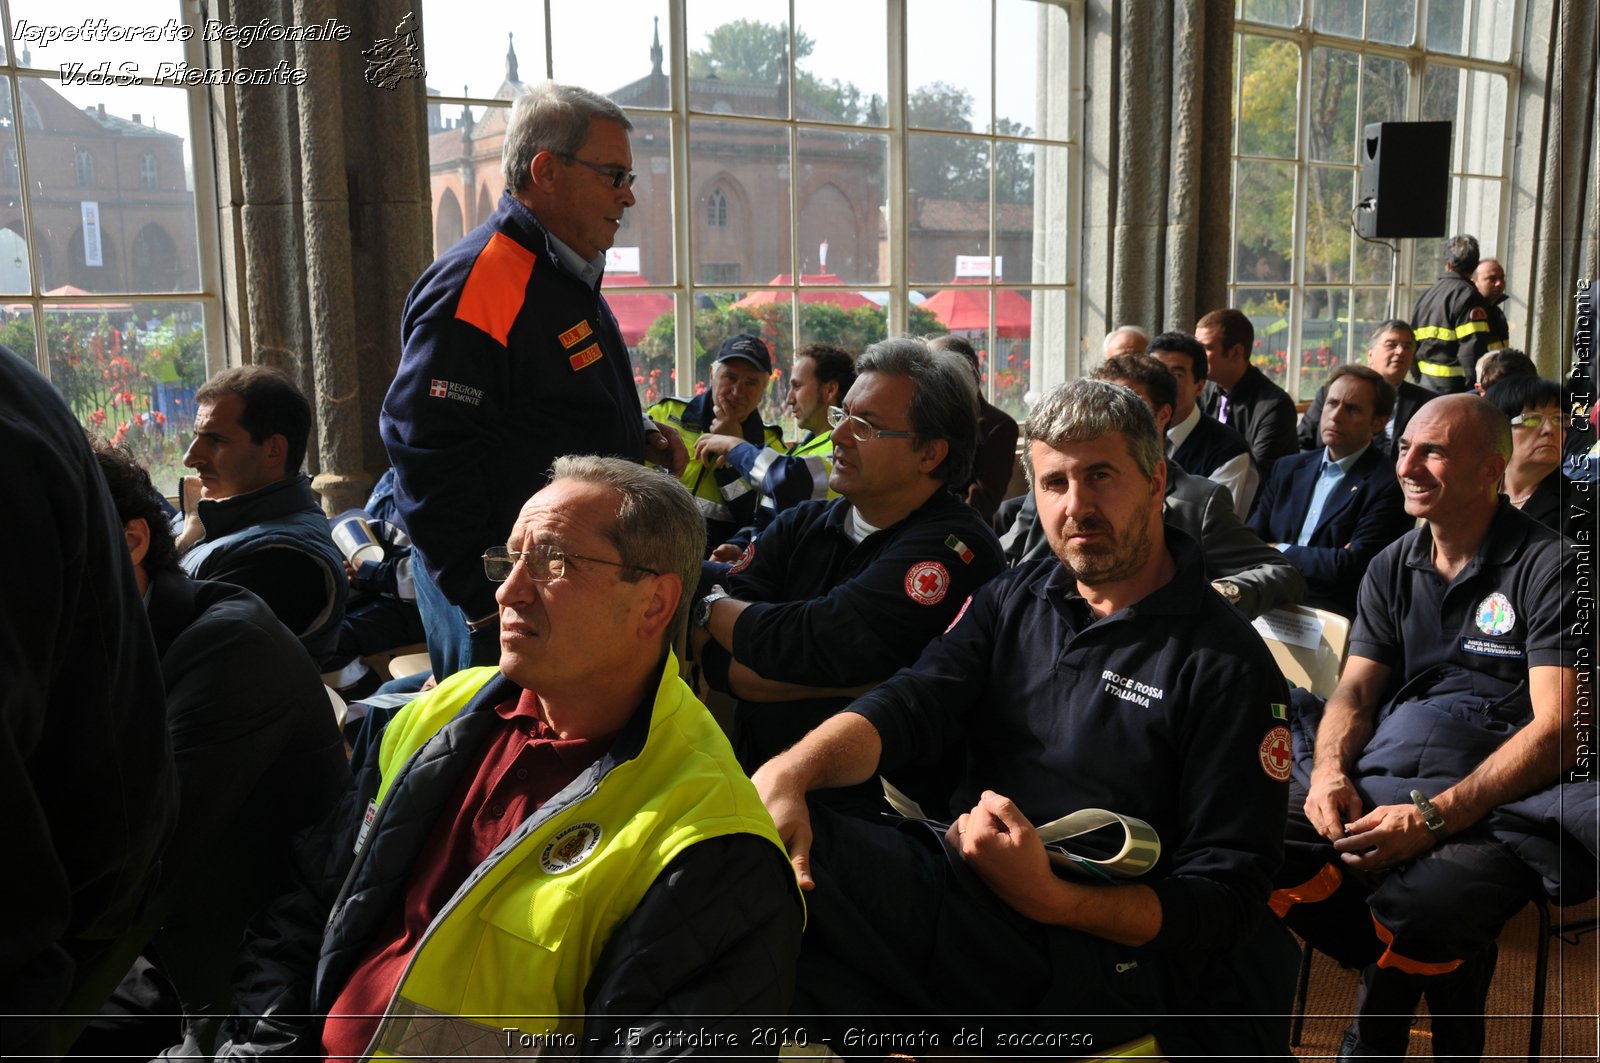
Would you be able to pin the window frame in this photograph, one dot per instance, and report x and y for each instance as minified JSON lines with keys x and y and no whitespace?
{"x":200,"y":157}
{"x":1052,"y":361}
{"x":1404,"y":287}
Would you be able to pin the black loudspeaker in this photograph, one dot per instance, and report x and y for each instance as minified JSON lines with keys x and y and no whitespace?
{"x":1405,"y":179}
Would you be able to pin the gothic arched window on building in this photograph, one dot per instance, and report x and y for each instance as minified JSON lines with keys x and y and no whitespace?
{"x":717,"y":210}
{"x":85,"y":167}
{"x":147,"y":170}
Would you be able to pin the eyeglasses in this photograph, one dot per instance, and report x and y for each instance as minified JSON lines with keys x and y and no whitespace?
{"x":862,"y":429}
{"x":544,"y":563}
{"x":620,"y":178}
{"x":1533,"y":420}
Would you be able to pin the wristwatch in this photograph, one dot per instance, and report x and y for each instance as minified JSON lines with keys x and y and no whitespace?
{"x":1229,"y":591}
{"x":1430,"y":815}
{"x":702,"y":609}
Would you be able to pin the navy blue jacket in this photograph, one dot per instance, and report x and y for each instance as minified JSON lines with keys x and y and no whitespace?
{"x":1365,"y":513}
{"x":1163,"y":710}
{"x":275,"y":543}
{"x":508,"y":361}
{"x":832,"y":612}
{"x":1407,"y":401}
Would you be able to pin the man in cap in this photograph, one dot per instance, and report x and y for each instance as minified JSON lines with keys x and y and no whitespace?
{"x":739,"y":378}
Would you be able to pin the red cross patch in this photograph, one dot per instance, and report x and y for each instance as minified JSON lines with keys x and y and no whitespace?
{"x":744,"y":560}
{"x":440,"y":389}
{"x":1277,"y":753}
{"x":927,"y":582}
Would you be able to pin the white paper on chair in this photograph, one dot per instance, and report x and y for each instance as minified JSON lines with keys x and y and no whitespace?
{"x":1296,"y":629}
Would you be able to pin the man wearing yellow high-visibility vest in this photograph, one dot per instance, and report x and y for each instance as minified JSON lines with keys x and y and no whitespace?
{"x":1451,"y":322}
{"x":557,"y":856}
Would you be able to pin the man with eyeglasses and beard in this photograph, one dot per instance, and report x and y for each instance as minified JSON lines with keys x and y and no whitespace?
{"x":511,"y":358}
{"x":834,"y":596}
{"x":559,"y":856}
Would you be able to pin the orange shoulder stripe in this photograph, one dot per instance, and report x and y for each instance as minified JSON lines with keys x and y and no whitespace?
{"x":495,"y":289}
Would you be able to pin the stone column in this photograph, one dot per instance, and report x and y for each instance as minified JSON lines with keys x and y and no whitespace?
{"x":1551,"y":237}
{"x":1157,"y":174}
{"x":324,"y":200}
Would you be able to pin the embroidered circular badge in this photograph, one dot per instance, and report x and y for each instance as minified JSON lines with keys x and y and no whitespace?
{"x":571,"y":847}
{"x":1495,"y":615}
{"x":927,"y":582}
{"x":744,"y":560}
{"x":1277,"y":753}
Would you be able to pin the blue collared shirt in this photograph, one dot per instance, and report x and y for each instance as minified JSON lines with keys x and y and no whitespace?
{"x":1333,"y":471}
{"x":588,"y":271}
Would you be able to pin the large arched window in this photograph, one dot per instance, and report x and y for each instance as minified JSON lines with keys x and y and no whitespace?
{"x":148,"y":175}
{"x":717,"y":209}
{"x":83,"y":163}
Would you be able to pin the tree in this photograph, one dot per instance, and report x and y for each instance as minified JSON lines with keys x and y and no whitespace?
{"x":947,"y":168}
{"x":749,"y":50}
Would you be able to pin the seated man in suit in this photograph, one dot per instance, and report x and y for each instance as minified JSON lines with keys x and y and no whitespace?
{"x":1391,"y":351}
{"x":1330,"y":512}
{"x":1240,"y":395}
{"x":1244,"y":570}
{"x":1203,"y":445}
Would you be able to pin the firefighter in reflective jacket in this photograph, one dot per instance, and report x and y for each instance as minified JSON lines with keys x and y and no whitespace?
{"x":1451,"y":322}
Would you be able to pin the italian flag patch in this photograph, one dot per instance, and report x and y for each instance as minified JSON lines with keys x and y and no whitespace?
{"x":962,"y":550}
{"x":1280,"y":711}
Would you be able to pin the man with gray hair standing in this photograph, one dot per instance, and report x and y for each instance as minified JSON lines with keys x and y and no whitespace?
{"x":1108,"y":676}
{"x":511,"y":358}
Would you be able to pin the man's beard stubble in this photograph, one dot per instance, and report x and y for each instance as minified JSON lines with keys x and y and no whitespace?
{"x":1122,"y":557}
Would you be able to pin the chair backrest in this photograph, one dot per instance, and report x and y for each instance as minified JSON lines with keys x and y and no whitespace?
{"x":1308,"y":644}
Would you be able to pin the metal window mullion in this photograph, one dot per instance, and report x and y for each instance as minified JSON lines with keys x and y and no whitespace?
{"x":992,"y":333}
{"x":203,"y":161}
{"x":1072,"y":277}
{"x":33,"y":296}
{"x":1302,"y":191}
{"x":898,"y":178}
{"x":682,"y":214}
{"x":796,"y":260}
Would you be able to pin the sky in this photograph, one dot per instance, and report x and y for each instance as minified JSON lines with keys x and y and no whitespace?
{"x":465,"y":44}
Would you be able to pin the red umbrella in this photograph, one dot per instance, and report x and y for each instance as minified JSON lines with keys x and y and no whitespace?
{"x":967,"y":310}
{"x":635,"y":311}
{"x":848,"y":300}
